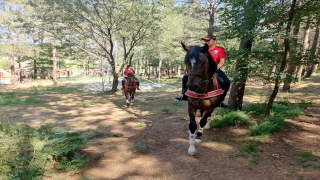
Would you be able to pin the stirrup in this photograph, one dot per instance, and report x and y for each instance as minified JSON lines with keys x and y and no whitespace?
{"x":178,"y":98}
{"x":182,"y":97}
{"x":222,"y":105}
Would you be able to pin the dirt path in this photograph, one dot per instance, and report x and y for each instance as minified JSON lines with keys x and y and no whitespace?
{"x":155,"y":138}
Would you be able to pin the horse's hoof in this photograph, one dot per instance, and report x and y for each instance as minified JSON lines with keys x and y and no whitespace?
{"x":198,"y":141}
{"x":192,"y":153}
{"x":207,"y":126}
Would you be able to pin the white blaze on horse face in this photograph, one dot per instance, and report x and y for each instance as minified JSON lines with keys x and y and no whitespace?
{"x":192,"y":61}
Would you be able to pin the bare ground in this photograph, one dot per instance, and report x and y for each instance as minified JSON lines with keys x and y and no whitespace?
{"x":155,"y":137}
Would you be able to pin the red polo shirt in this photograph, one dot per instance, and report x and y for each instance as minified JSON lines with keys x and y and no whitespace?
{"x":217,"y":53}
{"x":128,"y":71}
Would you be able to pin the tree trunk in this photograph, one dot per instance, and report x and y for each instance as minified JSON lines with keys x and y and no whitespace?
{"x":238,"y":87}
{"x":54,"y":59}
{"x":139,"y":66}
{"x":115,"y":81}
{"x":299,"y":74}
{"x":211,"y":16}
{"x":146,"y":68}
{"x":239,"y":81}
{"x":273,"y":69}
{"x":290,"y":64}
{"x":311,"y":69}
{"x":306,"y":45}
{"x":286,"y":55}
{"x":12,"y":62}
{"x":159,"y":69}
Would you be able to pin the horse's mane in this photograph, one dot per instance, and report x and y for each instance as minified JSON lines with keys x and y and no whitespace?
{"x":195,"y":52}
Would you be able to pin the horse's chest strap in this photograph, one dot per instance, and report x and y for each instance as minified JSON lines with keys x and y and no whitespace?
{"x":206,"y":95}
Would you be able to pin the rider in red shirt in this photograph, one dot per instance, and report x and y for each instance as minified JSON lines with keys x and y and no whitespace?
{"x":127,"y":71}
{"x":218,"y":54}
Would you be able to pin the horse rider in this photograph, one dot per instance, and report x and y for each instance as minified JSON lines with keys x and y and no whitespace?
{"x":219,"y":56}
{"x":128,"y":71}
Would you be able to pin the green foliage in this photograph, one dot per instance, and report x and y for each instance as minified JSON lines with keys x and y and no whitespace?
{"x":251,"y":147}
{"x":25,"y":151}
{"x":4,"y":63}
{"x":141,"y":124}
{"x":307,"y":156}
{"x":141,"y":147}
{"x":166,"y":110}
{"x":248,"y":150}
{"x":269,"y":126}
{"x":230,"y":119}
{"x":114,"y":134}
{"x":87,"y":103}
{"x":10,"y":98}
{"x":283,"y":109}
{"x":53,"y":90}
{"x":125,"y":120}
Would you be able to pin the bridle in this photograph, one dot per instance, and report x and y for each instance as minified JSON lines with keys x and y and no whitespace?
{"x":202,"y":76}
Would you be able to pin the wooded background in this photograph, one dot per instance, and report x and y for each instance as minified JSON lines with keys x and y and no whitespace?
{"x":276,"y":41}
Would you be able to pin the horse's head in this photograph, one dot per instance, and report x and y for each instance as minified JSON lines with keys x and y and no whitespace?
{"x":197,"y":65}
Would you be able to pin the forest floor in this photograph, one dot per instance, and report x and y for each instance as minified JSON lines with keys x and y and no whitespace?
{"x":154,"y":136}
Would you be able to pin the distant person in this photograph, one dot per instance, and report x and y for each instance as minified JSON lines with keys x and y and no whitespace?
{"x":128,"y":71}
{"x":219,"y":56}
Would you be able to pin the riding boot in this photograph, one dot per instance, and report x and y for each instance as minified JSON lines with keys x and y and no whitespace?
{"x":225,"y":85}
{"x":138,"y":84}
{"x":182,"y":96}
{"x":122,"y":83}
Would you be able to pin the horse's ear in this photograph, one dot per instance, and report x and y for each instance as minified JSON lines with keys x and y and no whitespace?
{"x":205,"y":48}
{"x":185,"y":47}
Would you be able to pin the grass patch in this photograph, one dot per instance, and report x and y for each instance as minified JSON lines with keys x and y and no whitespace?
{"x":53,"y":90}
{"x":141,"y":124}
{"x":26,"y":152}
{"x":123,"y":121}
{"x":307,"y":156}
{"x":229,"y":119}
{"x":268,"y":127}
{"x":114,"y":134}
{"x":175,"y":81}
{"x":140,"y":147}
{"x":87,"y":103}
{"x":251,"y":147}
{"x":166,"y":110}
{"x":179,"y":104}
{"x":10,"y":98}
{"x":283,"y":109}
{"x":249,"y":151}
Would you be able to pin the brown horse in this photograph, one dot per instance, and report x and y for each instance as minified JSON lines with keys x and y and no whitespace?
{"x":203,"y":92}
{"x":129,"y":89}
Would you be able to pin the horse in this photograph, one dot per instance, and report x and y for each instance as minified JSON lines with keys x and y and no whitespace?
{"x":129,"y":89}
{"x":203,"y":92}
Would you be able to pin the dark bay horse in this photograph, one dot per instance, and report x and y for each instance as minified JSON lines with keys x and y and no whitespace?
{"x":203,"y":91}
{"x":129,"y":89}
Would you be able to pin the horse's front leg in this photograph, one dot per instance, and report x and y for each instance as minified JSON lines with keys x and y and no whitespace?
{"x":192,"y":130}
{"x":202,"y":125}
{"x":127,"y":96}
